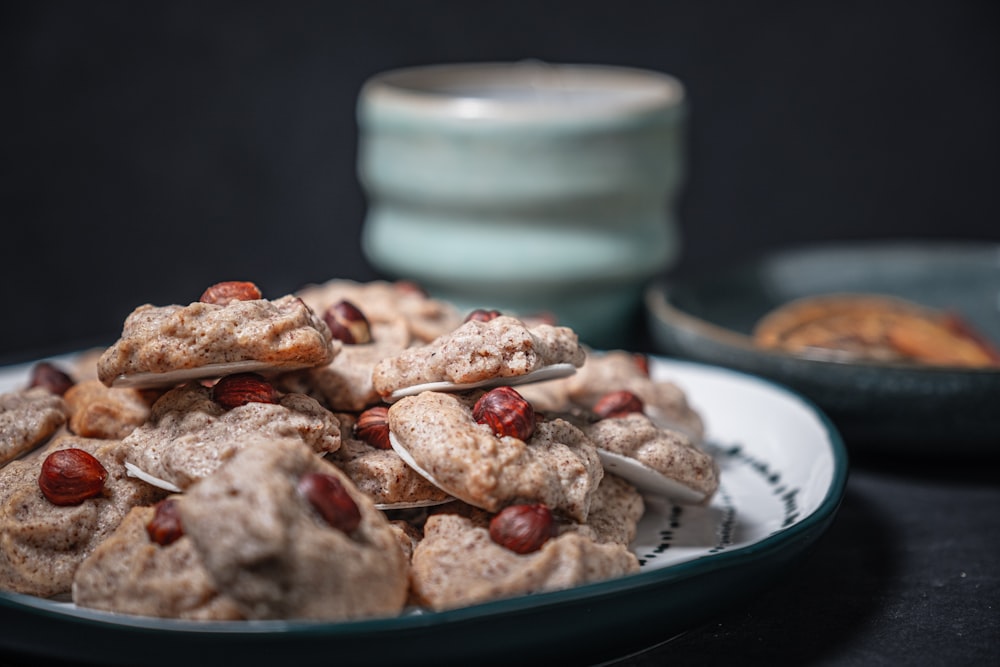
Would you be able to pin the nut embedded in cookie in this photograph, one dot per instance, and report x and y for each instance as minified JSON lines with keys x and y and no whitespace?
{"x":379,"y":472}
{"x":458,"y":564}
{"x":437,"y":434}
{"x":280,"y":548}
{"x":130,"y":572}
{"x":42,"y":543}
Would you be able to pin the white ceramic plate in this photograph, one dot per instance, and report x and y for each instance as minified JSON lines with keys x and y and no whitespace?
{"x":783,"y":471}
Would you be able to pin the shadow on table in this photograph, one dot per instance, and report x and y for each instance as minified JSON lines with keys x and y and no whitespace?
{"x":813,"y":614}
{"x":981,"y":469}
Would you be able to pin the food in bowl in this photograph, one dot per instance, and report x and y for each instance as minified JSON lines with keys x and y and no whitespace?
{"x":873,"y":327}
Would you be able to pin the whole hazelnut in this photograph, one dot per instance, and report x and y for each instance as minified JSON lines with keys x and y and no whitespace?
{"x":347,"y":323}
{"x":331,"y":500}
{"x":506,"y":412}
{"x":239,"y":389}
{"x":51,"y":377}
{"x":372,"y":427}
{"x":70,"y":476}
{"x":224,"y":293}
{"x":165,"y":526}
{"x":617,"y":404}
{"x":522,"y":528}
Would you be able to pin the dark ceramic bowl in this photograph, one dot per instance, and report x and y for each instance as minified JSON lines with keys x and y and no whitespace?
{"x":906,"y":408}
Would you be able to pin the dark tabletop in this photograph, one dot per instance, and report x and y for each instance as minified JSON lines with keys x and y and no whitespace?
{"x":908,"y":574}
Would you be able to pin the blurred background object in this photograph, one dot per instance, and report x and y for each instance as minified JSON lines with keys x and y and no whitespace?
{"x":151,"y":149}
{"x":528,"y":187}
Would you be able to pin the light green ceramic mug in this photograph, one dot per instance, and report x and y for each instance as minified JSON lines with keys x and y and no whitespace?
{"x":525,"y":187}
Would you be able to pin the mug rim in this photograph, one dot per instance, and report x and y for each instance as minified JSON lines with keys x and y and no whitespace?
{"x":521,"y":91}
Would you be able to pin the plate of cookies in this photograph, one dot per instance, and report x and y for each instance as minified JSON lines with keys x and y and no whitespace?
{"x":896,"y":341}
{"x":358,"y":472}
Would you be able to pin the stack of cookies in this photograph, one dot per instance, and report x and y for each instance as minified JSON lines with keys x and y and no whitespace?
{"x":351,"y":450}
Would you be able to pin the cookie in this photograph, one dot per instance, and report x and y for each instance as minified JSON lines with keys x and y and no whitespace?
{"x":380,"y":473}
{"x":130,"y":573}
{"x":161,"y":346}
{"x":41,"y":543}
{"x":99,"y":411}
{"x":345,"y":384}
{"x":189,"y":433}
{"x":271,"y":544}
{"x":618,"y":370}
{"x":458,"y":564}
{"x":502,"y":350}
{"x":682,"y":470}
{"x":557,"y":465}
{"x":424,"y":317}
{"x":615,"y":511}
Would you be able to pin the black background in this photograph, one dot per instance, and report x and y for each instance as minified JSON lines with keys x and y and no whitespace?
{"x":150,"y":149}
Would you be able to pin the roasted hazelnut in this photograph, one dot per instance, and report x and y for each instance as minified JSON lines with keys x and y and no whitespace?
{"x":347,"y":323}
{"x":372,"y":427}
{"x":165,"y":526}
{"x":224,"y":293}
{"x":328,"y":496}
{"x":482,"y":315}
{"x":522,"y":528}
{"x":51,"y":377}
{"x":70,"y":476}
{"x":241,"y":388}
{"x":506,"y":412}
{"x":617,"y":404}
